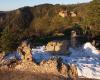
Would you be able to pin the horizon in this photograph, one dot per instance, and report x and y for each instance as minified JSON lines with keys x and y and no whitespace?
{"x":6,"y":5}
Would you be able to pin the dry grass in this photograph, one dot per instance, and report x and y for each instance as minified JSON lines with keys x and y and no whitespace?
{"x":11,"y":74}
{"x":86,"y":79}
{"x":18,"y":75}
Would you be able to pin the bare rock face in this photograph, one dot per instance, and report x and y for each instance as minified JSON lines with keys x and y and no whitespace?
{"x":50,"y":67}
{"x":44,"y":67}
{"x":64,"y":70}
{"x":73,"y":72}
{"x":73,"y":39}
{"x":69,"y":71}
{"x":1,"y":56}
{"x":25,"y":50}
{"x":57,"y":46}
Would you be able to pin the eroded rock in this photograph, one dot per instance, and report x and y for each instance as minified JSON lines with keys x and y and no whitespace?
{"x":50,"y":66}
{"x":25,"y":51}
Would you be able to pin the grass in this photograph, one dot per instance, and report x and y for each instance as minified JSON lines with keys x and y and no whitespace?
{"x":11,"y":74}
{"x":18,"y":75}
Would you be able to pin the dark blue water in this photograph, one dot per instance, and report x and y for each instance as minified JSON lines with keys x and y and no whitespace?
{"x":12,"y":55}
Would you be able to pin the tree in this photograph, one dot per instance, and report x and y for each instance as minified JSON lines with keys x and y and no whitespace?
{"x":8,"y":40}
{"x":41,"y":25}
{"x":59,"y":23}
{"x":93,"y":16}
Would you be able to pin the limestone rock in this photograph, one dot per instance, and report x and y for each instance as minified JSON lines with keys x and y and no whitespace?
{"x":25,"y":51}
{"x":57,"y":46}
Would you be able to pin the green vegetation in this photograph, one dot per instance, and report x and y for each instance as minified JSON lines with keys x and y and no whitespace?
{"x":41,"y":23}
{"x":8,"y":40}
{"x":93,"y":17}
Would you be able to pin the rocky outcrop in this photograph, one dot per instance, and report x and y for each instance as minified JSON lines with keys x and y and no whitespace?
{"x":50,"y":67}
{"x":57,"y":46}
{"x":25,"y":51}
{"x":1,"y":56}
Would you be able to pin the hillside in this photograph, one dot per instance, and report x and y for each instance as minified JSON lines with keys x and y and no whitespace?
{"x":44,"y":22}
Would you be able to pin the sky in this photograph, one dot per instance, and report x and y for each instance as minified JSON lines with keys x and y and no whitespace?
{"x":7,"y":5}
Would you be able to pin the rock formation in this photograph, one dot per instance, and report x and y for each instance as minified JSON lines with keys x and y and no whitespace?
{"x":50,"y":67}
{"x":73,"y":39}
{"x":25,"y":51}
{"x":57,"y":46}
{"x":1,"y":55}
